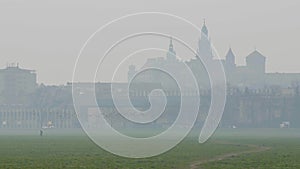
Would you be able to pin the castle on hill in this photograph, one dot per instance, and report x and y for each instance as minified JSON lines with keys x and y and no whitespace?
{"x":251,"y":75}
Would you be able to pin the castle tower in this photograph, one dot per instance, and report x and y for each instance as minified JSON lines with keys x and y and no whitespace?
{"x":204,"y":30}
{"x":204,"y":44}
{"x":256,"y":62}
{"x":230,"y":61}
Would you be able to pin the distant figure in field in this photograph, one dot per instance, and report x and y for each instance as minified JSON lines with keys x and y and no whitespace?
{"x":41,"y":132}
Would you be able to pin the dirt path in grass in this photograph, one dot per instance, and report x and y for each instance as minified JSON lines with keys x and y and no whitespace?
{"x":254,"y":149}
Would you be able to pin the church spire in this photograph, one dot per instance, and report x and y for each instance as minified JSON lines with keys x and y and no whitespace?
{"x":171,"y":44}
{"x":171,"y":55}
{"x":204,"y":29}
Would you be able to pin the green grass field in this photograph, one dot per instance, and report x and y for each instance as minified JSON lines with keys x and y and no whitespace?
{"x":73,"y":149}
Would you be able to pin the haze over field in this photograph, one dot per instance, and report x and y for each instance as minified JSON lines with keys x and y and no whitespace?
{"x":149,"y":84}
{"x":47,"y":36}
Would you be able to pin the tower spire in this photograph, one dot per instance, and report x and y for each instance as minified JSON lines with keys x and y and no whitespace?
{"x":204,"y":29}
{"x":171,"y":43}
{"x":171,"y":55}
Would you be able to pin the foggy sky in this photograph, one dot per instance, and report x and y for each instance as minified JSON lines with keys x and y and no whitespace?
{"x":47,"y":36}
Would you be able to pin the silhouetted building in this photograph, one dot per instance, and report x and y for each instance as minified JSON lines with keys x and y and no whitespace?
{"x":230,"y":61}
{"x":204,"y":44}
{"x":16,"y":84}
{"x":252,"y":75}
{"x":256,"y":63}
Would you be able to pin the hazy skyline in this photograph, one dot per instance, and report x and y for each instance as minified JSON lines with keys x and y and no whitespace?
{"x":47,"y":36}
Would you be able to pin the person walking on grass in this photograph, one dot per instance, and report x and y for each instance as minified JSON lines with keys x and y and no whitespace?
{"x":41,"y":132}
